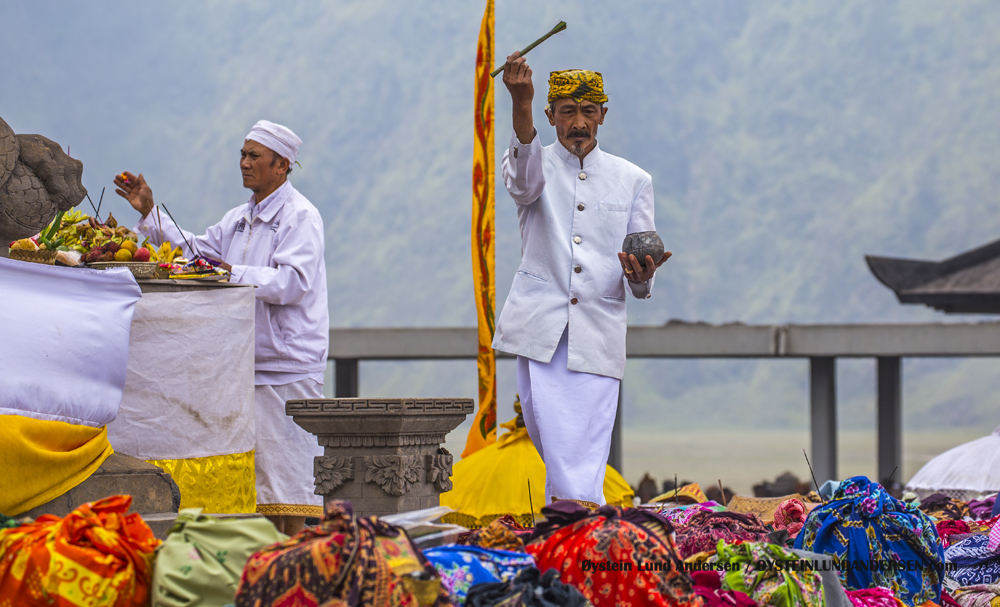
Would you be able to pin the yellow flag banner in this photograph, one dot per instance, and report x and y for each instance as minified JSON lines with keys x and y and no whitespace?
{"x":484,"y":427}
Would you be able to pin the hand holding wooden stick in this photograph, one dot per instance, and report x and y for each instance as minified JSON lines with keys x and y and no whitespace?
{"x":558,"y":28}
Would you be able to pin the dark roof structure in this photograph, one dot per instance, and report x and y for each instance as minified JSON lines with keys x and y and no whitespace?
{"x":968,"y":283}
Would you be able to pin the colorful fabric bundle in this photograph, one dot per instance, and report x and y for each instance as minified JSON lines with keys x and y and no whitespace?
{"x":528,"y":589}
{"x":982,"y":509}
{"x":614,"y":556}
{"x":976,"y":563}
{"x":97,"y":555}
{"x":864,"y":525}
{"x":708,"y":585}
{"x":342,"y":561}
{"x":505,"y":533}
{"x":790,"y":516}
{"x":202,"y":559}
{"x":874,"y":597}
{"x":979,"y":595}
{"x":947,"y":528}
{"x":944,"y":508}
{"x":704,"y":530}
{"x":787,"y":587}
{"x":680,"y":515}
{"x":462,"y":567}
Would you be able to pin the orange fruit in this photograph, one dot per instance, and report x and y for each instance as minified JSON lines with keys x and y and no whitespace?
{"x":123,"y":254}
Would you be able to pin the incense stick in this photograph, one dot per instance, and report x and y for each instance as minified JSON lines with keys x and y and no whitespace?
{"x":190,"y":248}
{"x":889,"y":480}
{"x":100,"y":201}
{"x":96,"y":215}
{"x":558,"y":28}
{"x":531,"y":505}
{"x":722,"y":492}
{"x":814,"y":476}
{"x":675,"y":489}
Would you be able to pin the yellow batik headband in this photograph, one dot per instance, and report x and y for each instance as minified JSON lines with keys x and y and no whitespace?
{"x":577,"y":84}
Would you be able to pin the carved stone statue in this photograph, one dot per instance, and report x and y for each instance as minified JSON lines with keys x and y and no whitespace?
{"x":37,"y":180}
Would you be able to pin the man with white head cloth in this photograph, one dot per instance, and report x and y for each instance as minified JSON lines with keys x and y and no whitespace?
{"x":274,"y":241}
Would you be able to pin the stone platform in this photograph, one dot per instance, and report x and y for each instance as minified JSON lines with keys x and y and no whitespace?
{"x":383,"y":455}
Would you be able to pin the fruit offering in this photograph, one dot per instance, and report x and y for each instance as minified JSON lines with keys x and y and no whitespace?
{"x":96,"y":241}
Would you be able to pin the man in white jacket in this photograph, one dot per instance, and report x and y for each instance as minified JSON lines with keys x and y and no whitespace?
{"x":565,"y":315}
{"x":274,"y":241}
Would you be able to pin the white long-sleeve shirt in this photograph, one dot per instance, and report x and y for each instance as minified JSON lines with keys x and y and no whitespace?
{"x":277,"y":245}
{"x":573,"y":221}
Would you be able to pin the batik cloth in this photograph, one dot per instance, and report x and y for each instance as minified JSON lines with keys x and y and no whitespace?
{"x":944,"y":508}
{"x":614,"y":556}
{"x":863,"y":524}
{"x":462,"y":567}
{"x":95,"y":556}
{"x":505,"y":533}
{"x":704,"y":530}
{"x":577,"y":85}
{"x":873,"y":597}
{"x":994,"y":536}
{"x":790,"y":515}
{"x":976,"y":563}
{"x":529,"y":589}
{"x":949,"y":528}
{"x":979,"y":595}
{"x":680,"y":515}
{"x":769,"y":585}
{"x":343,"y":561}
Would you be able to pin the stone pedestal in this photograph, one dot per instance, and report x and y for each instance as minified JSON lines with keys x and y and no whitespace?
{"x":383,"y":455}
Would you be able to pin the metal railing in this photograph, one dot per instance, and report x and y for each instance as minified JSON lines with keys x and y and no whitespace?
{"x":821,"y":344}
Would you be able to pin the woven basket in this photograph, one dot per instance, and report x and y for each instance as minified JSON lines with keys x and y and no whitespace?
{"x":139,"y":269}
{"x":46,"y":257}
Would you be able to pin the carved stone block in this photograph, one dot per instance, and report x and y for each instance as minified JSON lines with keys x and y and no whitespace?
{"x":382,"y":454}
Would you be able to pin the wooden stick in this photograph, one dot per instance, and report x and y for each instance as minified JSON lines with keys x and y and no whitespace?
{"x":723,"y":493}
{"x":558,"y":28}
{"x":675,"y":488}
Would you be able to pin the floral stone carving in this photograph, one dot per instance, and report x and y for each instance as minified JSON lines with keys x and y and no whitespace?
{"x":394,"y":473}
{"x":439,"y":469}
{"x":332,"y":472}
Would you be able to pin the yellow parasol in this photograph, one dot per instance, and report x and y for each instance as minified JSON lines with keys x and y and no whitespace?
{"x":493,"y":481}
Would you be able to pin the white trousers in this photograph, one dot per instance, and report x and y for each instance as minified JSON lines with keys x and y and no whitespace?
{"x":569,"y":416}
{"x":284,"y":452}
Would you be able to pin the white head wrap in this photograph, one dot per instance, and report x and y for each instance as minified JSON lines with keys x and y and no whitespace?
{"x":275,"y":137}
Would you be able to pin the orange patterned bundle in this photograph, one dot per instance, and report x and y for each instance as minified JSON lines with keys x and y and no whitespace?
{"x":95,"y":556}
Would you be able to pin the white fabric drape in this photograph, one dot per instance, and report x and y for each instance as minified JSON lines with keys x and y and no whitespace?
{"x":65,"y":341}
{"x":569,"y":416}
{"x":190,"y":388}
{"x":285,"y":451}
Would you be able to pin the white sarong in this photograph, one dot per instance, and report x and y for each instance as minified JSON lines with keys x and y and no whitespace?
{"x":285,"y":452}
{"x":569,"y":416}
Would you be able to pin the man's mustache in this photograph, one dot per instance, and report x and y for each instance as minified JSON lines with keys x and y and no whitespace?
{"x":578,"y":133}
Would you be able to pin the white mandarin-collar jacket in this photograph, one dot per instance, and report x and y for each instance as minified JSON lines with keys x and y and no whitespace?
{"x":277,"y":246}
{"x":573,"y":222}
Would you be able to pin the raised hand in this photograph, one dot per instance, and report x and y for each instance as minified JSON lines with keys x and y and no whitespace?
{"x":517,"y":79}
{"x":136,"y":191}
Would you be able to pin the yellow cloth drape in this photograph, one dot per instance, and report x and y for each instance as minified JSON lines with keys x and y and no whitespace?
{"x":220,"y":484}
{"x":483,"y":431}
{"x":494,"y":481}
{"x":43,"y":459}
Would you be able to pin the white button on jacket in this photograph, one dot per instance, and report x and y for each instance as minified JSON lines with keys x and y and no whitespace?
{"x":280,"y":249}
{"x":572,"y":216}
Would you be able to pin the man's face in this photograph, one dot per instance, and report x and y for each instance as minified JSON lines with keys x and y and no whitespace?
{"x":260,"y":171}
{"x":576,"y":123}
